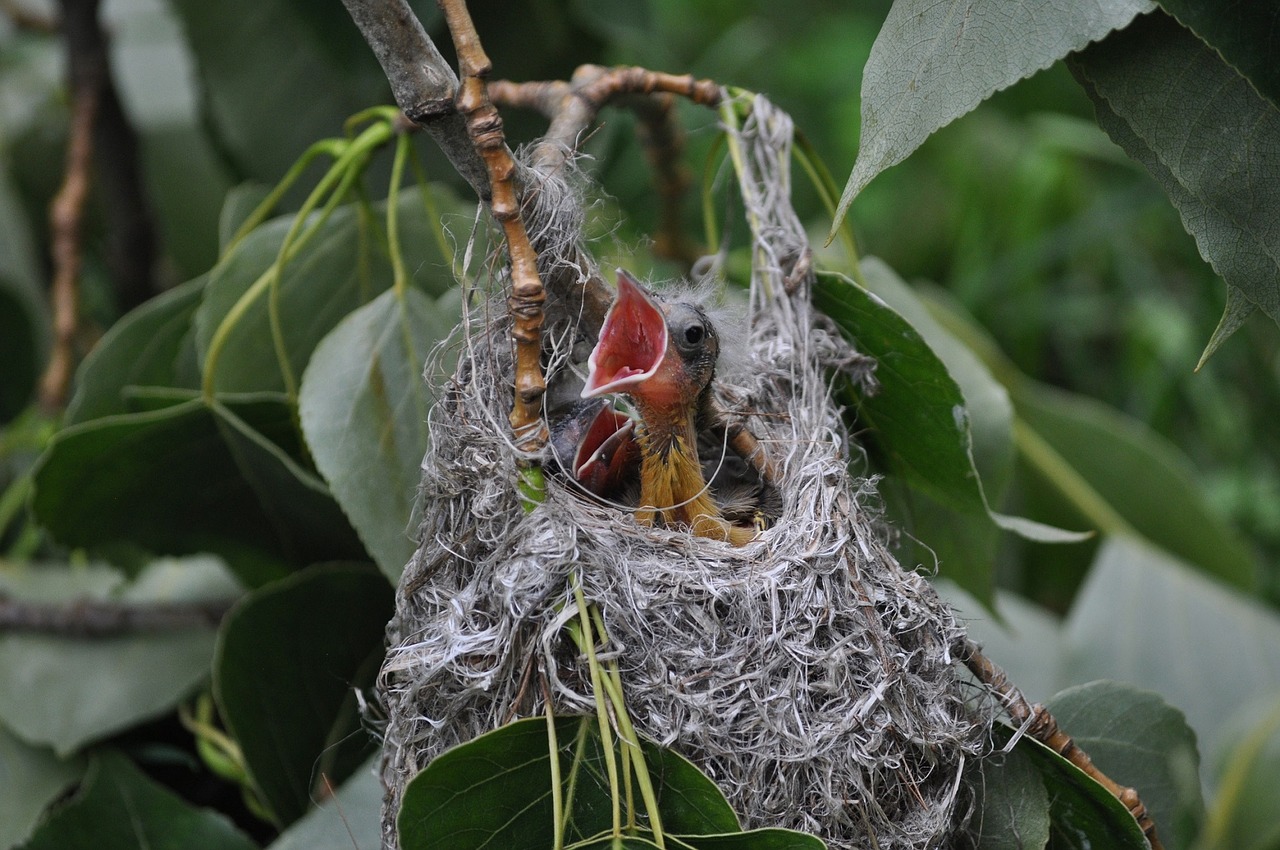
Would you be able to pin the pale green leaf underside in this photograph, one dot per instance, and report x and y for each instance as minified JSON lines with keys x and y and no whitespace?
{"x":935,"y":61}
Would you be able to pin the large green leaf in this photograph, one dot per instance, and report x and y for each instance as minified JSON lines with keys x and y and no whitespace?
{"x":290,"y":659}
{"x":1014,"y":809}
{"x":1206,"y":135}
{"x":65,"y":692}
{"x":190,"y":477}
{"x":1242,"y":31}
{"x":920,"y":423}
{"x":495,"y":791}
{"x":119,"y":808}
{"x":1145,"y":617}
{"x":351,"y":817}
{"x":30,"y":779}
{"x":152,"y":346}
{"x":341,"y":268}
{"x":1139,"y":740}
{"x":934,"y":61}
{"x":24,"y":320}
{"x":1082,"y":814}
{"x":364,"y":411}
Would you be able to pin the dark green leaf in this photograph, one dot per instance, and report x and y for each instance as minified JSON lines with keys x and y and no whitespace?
{"x":119,"y":808}
{"x":24,"y":323}
{"x":290,"y":658}
{"x":934,"y":61}
{"x":920,"y":423}
{"x":151,"y":346}
{"x":30,"y":779}
{"x":1140,"y":741}
{"x":237,"y":206}
{"x":1082,"y":813}
{"x":1206,"y":135}
{"x":1243,"y":31}
{"x":1146,"y":618}
{"x":65,"y":692}
{"x":364,"y":409}
{"x":495,"y":791}
{"x":756,"y":839}
{"x":352,"y":818}
{"x":189,"y":478}
{"x":1139,"y":475}
{"x":1014,"y":809}
{"x":339,"y":270}
{"x":253,"y":88}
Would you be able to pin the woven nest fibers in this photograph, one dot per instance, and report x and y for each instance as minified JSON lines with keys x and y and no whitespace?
{"x":807,"y":672}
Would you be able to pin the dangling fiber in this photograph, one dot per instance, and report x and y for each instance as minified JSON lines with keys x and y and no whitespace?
{"x":807,"y":672}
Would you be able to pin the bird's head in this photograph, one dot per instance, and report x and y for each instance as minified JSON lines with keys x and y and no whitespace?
{"x":662,"y":354}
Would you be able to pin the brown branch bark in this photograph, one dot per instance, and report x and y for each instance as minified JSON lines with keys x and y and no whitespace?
{"x":1041,"y":726}
{"x":423,"y":84}
{"x":90,"y":619}
{"x":524,"y":303}
{"x":66,"y":225}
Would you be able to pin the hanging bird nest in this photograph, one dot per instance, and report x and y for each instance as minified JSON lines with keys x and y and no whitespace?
{"x":807,"y":672}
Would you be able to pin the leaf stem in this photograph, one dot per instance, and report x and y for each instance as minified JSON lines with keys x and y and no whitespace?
{"x":557,"y":794}
{"x":399,"y":279}
{"x":1079,"y":492}
{"x":602,"y":713}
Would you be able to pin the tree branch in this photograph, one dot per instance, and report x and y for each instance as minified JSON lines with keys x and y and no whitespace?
{"x":1041,"y":726}
{"x":423,"y":84}
{"x":93,"y":619}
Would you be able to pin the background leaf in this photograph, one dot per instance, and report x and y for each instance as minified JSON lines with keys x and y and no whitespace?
{"x":151,"y":346}
{"x":30,"y":779}
{"x":350,"y":818}
{"x":935,"y":61}
{"x":1243,"y":815}
{"x":119,"y":808}
{"x":364,"y":406}
{"x":65,"y":692}
{"x":190,"y":477}
{"x":289,"y":660}
{"x":1240,"y":32}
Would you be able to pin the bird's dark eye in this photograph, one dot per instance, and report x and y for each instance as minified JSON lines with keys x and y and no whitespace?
{"x":694,"y":334}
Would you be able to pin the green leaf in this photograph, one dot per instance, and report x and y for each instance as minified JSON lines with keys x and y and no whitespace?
{"x":920,"y":421}
{"x":934,"y":61}
{"x":30,"y":779}
{"x":1243,"y":816}
{"x":24,"y":321}
{"x":1145,"y":617}
{"x":1141,"y":477}
{"x":1082,"y":813}
{"x":337,"y":271}
{"x":364,"y":410}
{"x":152,"y":346}
{"x":1140,"y":741}
{"x":495,"y":791}
{"x":190,"y":477}
{"x":350,"y":818}
{"x":1242,"y":32}
{"x":1014,"y":810}
{"x":237,"y":206}
{"x":290,"y":659}
{"x":1207,"y":137}
{"x":119,"y":808}
{"x":65,"y":692}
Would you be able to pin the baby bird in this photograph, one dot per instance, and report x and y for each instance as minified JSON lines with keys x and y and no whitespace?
{"x":663,"y":355}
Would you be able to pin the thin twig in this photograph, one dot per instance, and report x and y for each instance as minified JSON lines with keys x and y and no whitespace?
{"x":1041,"y":726}
{"x":66,"y":225}
{"x":524,"y":303}
{"x":94,"y":619}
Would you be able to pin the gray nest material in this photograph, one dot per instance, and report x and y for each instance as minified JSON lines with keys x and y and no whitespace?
{"x":807,"y":672}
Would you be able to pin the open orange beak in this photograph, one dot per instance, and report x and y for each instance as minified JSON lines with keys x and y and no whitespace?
{"x":632,"y":344}
{"x":595,"y":443}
